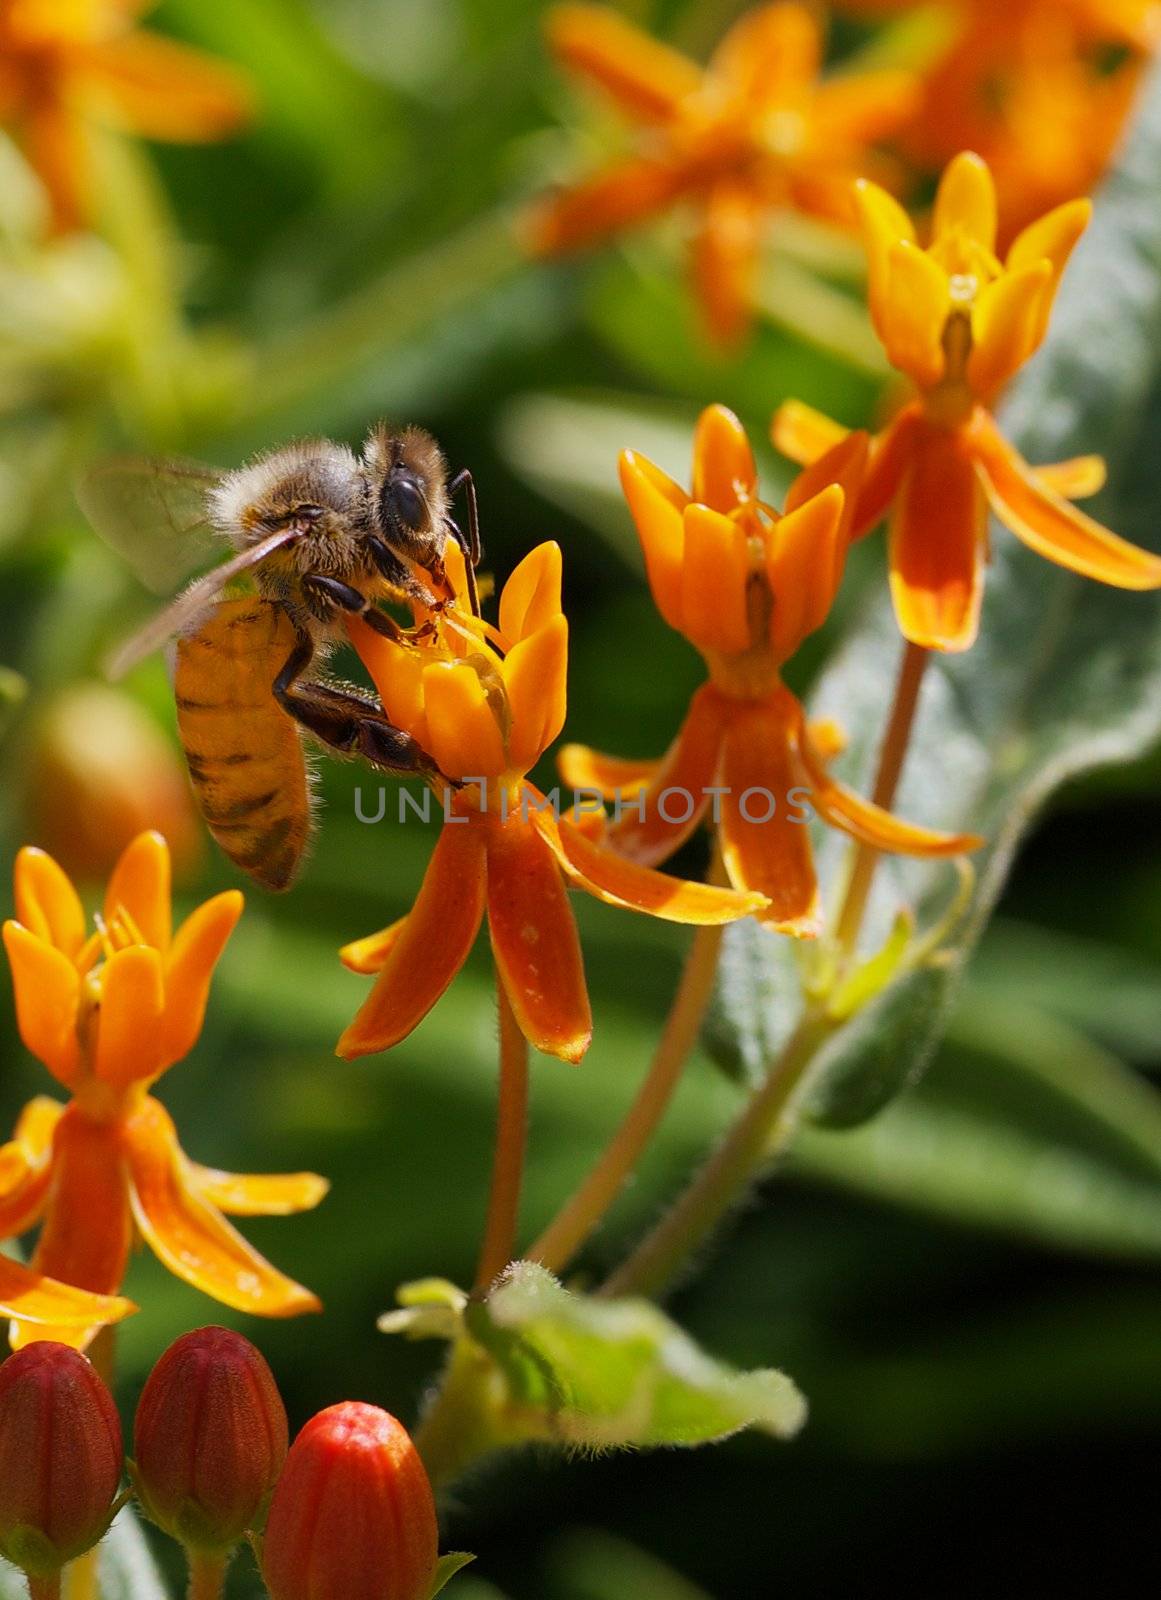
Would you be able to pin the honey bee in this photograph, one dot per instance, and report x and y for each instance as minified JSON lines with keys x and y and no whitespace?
{"x":320,"y":534}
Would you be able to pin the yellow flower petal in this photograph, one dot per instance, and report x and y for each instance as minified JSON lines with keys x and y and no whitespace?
{"x":1052,"y":238}
{"x":189,"y":969}
{"x":714,"y":577}
{"x":536,"y":677}
{"x":42,"y":1308}
{"x":397,"y":673}
{"x":724,"y":470}
{"x":189,"y":1236}
{"x":804,"y":566}
{"x":1007,"y":323}
{"x":658,"y":506}
{"x":281,"y":1194}
{"x":140,"y":885}
{"x":466,"y":741}
{"x":622,"y":883}
{"x":164,"y":90}
{"x":531,"y":597}
{"x":46,"y":902}
{"x":25,"y":1167}
{"x":771,"y":55}
{"x":1075,"y":479}
{"x":47,"y":991}
{"x":369,"y":956}
{"x":130,"y":1032}
{"x":884,"y":223}
{"x":726,"y":250}
{"x":966,"y":200}
{"x":914,"y":305}
{"x":802,"y":433}
{"x":584,"y":768}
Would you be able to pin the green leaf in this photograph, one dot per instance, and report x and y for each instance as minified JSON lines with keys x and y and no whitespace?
{"x":589,"y":1564}
{"x":12,"y":691}
{"x":128,"y":1571}
{"x":616,"y":1373}
{"x":1066,"y":677}
{"x":446,"y":1569}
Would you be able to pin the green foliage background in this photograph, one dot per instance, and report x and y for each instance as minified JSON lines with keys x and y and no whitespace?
{"x":966,"y":1287}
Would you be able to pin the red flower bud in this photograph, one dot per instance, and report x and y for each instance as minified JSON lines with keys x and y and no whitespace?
{"x":60,"y":1457}
{"x":353,"y":1512}
{"x":210,"y":1439}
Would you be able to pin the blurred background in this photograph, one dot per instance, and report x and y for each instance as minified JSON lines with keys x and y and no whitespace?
{"x":967,"y":1289}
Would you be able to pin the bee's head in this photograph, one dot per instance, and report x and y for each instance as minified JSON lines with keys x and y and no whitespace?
{"x":406,"y":489}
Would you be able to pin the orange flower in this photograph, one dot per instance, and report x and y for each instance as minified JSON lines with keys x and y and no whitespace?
{"x":959,"y":323}
{"x":755,"y":131}
{"x":1026,"y":83}
{"x":745,"y":586}
{"x":107,"y":1014}
{"x":66,"y":62}
{"x":487,"y":703}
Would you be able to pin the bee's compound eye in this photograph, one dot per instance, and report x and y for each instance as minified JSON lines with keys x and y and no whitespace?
{"x":403,"y":497}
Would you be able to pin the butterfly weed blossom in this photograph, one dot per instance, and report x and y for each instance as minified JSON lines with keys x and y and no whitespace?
{"x":486,"y":703}
{"x":755,"y":131}
{"x":108,"y":1013}
{"x":959,"y":323}
{"x":746,"y":586}
{"x":65,"y":65}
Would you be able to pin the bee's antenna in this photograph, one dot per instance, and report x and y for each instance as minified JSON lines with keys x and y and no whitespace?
{"x":469,"y":544}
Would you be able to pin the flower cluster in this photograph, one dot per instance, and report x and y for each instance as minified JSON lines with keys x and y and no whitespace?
{"x":108,"y":1012}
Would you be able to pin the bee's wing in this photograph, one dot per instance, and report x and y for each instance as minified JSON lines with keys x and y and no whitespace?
{"x":154,"y":514}
{"x":190,"y":608}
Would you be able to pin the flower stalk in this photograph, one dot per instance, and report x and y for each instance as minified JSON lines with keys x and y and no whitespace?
{"x":583,"y":1213}
{"x":207,"y":1575}
{"x":499,"y":1243}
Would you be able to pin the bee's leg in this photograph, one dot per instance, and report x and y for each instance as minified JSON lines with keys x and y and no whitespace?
{"x":346,"y":721}
{"x":400,"y":575}
{"x":352,"y":600}
{"x":469,"y":543}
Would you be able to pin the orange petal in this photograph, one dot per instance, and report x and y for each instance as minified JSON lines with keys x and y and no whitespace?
{"x":764,"y":832}
{"x":937,"y":545}
{"x":658,"y":508}
{"x":56,"y":142}
{"x":87,"y":1230}
{"x":369,"y":955}
{"x":724,"y":471}
{"x":1075,"y":479}
{"x":130,"y":1027}
{"x":282,"y":1194}
{"x":714,"y":579}
{"x":914,"y":305}
{"x":725,"y":259}
{"x":1052,"y":527}
{"x":531,"y":597}
{"x":46,"y":902}
{"x":583,"y":768}
{"x":41,"y":1308}
{"x":432,"y":946}
{"x":888,"y":460}
{"x":620,"y":882}
{"x":870,"y":824}
{"x":25,"y":1167}
{"x":644,"y":77}
{"x":802,"y":433}
{"x":189,"y":969}
{"x":966,"y":201}
{"x":827,"y":738}
{"x":853,"y":109}
{"x":805,"y":563}
{"x":771,"y":55}
{"x":47,"y":990}
{"x":534,"y":941}
{"x":140,"y":885}
{"x":594,"y":209}
{"x":164,"y":90}
{"x":1008,"y":320}
{"x":397,"y":673}
{"x":844,"y":463}
{"x":536,"y":677}
{"x":655,"y":823}
{"x":188,"y":1235}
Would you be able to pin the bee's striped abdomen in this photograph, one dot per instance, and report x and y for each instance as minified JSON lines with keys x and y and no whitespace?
{"x":245,"y":756}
